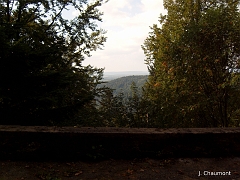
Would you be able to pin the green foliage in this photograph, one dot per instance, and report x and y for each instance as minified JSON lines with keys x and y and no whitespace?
{"x":113,"y":109}
{"x":42,"y":81}
{"x":121,"y":103}
{"x":193,"y":60}
{"x":136,"y":108}
{"x":192,"y":57}
{"x":123,"y":111}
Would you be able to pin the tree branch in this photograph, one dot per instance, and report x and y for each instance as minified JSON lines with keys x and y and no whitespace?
{"x":19,"y":12}
{"x":8,"y":11}
{"x":55,"y":17}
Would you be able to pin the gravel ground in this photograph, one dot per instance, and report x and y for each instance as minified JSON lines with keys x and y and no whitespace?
{"x":149,"y":169}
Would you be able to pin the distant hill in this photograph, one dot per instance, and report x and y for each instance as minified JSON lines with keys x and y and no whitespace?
{"x":123,"y":84}
{"x":108,"y":76}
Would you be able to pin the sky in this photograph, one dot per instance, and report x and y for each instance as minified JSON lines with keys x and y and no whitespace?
{"x":127,"y":23}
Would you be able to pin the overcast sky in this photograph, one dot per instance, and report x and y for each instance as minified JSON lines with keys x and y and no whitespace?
{"x":127,"y":24}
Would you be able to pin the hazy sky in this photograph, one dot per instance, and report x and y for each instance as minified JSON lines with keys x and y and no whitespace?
{"x":127,"y":24}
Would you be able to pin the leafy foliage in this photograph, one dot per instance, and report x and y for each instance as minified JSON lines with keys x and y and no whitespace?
{"x":42,"y":81}
{"x":192,"y":57}
{"x":193,"y":60}
{"x":123,"y":110}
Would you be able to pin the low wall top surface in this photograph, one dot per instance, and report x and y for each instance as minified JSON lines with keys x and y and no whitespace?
{"x":110,"y":130}
{"x":65,"y":143}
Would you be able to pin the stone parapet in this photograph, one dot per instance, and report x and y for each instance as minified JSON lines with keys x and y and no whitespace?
{"x":74,"y":143}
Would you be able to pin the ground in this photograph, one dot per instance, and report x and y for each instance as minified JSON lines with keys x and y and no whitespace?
{"x":145,"y":169}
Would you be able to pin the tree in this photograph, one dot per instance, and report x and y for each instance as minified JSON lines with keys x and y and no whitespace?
{"x":136,"y":108}
{"x":42,"y":80}
{"x":193,"y":60}
{"x":112,"y":109}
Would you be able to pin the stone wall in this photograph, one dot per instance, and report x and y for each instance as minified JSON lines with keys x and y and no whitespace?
{"x":72,"y":143}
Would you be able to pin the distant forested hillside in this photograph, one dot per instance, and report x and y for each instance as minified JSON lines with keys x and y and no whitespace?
{"x":109,"y":76}
{"x":123,"y":84}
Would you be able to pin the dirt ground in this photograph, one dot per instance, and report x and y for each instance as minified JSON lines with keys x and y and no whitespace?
{"x":149,"y":169}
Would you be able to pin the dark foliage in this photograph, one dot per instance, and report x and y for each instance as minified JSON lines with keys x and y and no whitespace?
{"x":42,"y":81}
